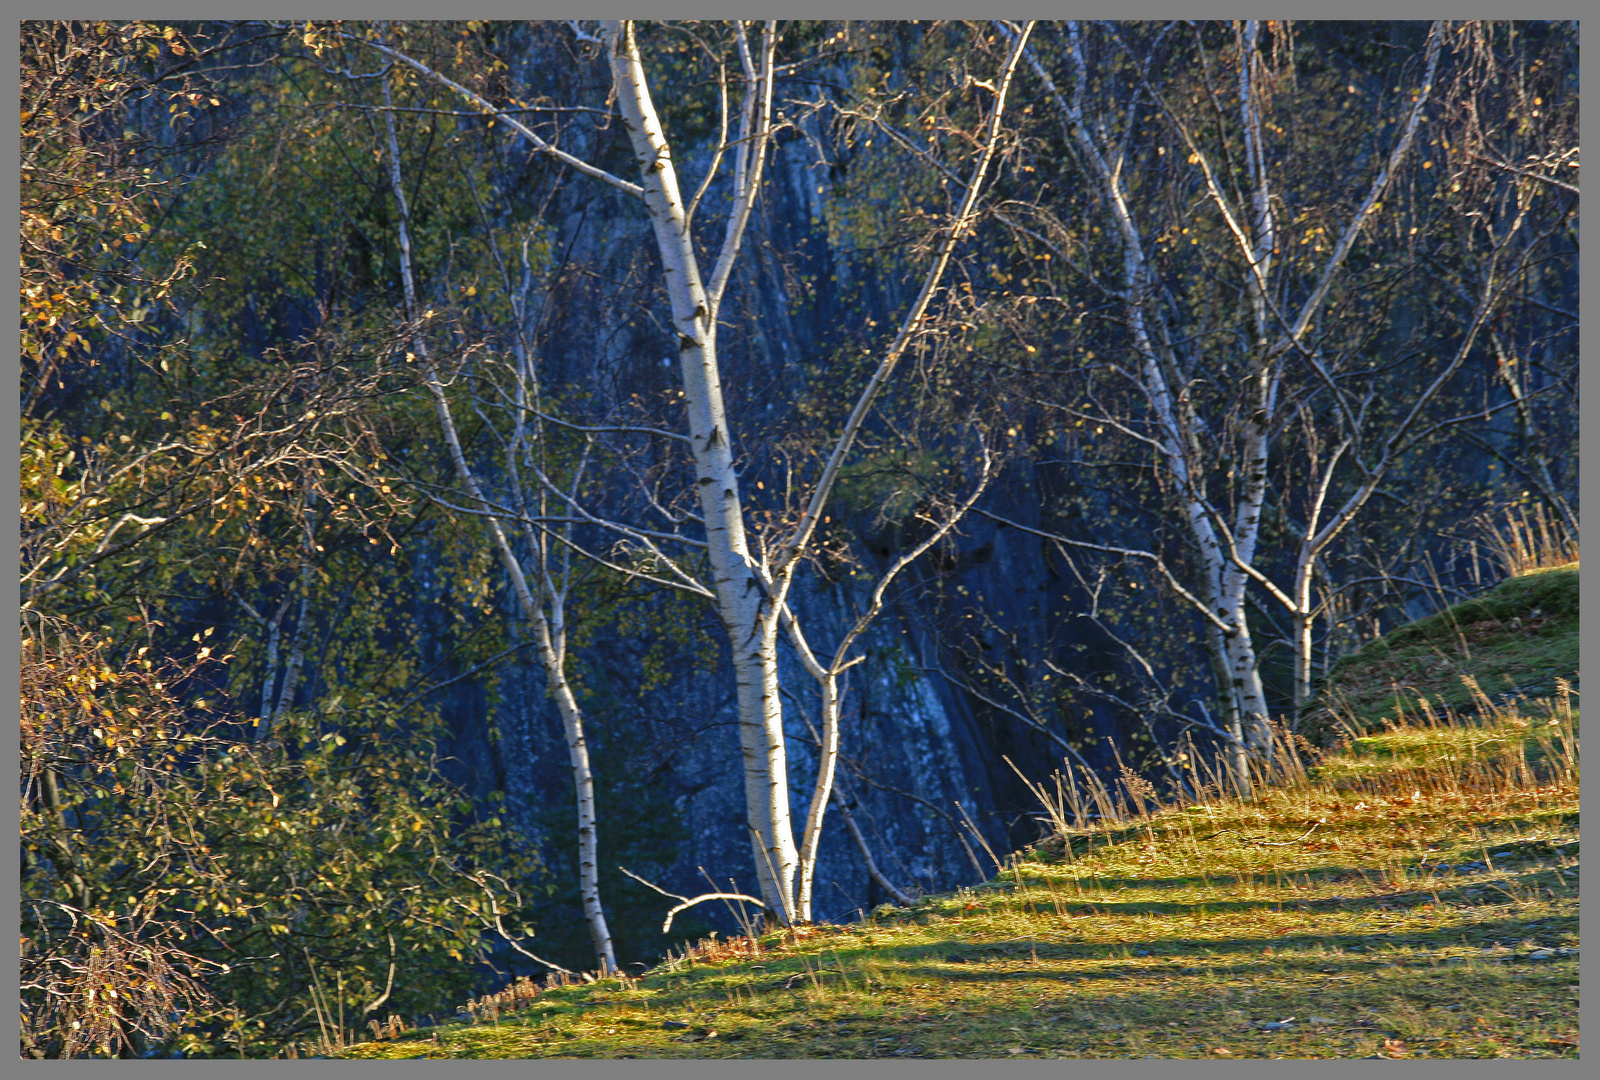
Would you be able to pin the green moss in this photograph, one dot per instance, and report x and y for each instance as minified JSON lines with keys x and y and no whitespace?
{"x":1517,"y":639}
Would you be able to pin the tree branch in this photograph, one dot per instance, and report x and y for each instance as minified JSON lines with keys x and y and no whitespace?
{"x":689,"y":903}
{"x":909,"y":327}
{"x":510,"y":121}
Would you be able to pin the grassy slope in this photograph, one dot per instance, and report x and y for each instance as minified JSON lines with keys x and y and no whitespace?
{"x":1191,"y":932}
{"x":1517,"y":638}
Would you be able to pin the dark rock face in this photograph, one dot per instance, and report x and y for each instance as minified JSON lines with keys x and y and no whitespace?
{"x":913,"y":745}
{"x":910,"y":749}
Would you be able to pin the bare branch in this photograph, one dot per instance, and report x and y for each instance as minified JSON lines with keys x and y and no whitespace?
{"x":1529,"y":173}
{"x":608,"y":429}
{"x":388,"y":985}
{"x":1031,"y":722}
{"x":939,"y":533}
{"x":909,"y":327}
{"x":1380,"y":182}
{"x":491,"y":110}
{"x":506,"y":936}
{"x":1134,"y":553}
{"x":754,"y":129}
{"x":689,"y":903}
{"x":722,"y":142}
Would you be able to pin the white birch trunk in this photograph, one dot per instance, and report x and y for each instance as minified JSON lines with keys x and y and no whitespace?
{"x":1263,"y":386}
{"x":827,"y":762}
{"x":827,"y":753}
{"x":1234,"y":750}
{"x":1221,"y":585}
{"x":551,"y":642}
{"x":751,"y":624}
{"x":273,"y":705}
{"x":551,"y":637}
{"x":1227,"y":550}
{"x":1257,"y":243}
{"x":269,"y":678}
{"x":749,"y":599}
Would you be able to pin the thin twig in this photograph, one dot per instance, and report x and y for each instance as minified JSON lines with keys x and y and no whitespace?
{"x":689,"y":903}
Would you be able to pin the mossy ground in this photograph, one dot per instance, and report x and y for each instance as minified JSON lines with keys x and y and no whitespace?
{"x":1414,"y":893}
{"x":1514,"y":640}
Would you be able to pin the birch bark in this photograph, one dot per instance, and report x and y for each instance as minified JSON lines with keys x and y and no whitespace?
{"x":1179,"y":431}
{"x":750,"y":598}
{"x":1227,"y":548}
{"x":750,"y":623}
{"x":749,"y":594}
{"x":550,"y":639}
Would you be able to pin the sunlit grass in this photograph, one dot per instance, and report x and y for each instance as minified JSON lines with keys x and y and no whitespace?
{"x":1413,"y":893}
{"x":1514,"y":641}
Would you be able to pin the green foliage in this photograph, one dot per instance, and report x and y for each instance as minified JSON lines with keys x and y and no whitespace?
{"x":185,"y":879}
{"x":348,"y":856}
{"x":331,"y":844}
{"x":891,"y":484}
{"x":88,"y":191}
{"x":296,"y":212}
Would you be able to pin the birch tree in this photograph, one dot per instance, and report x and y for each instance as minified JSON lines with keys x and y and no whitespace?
{"x":541,"y":593}
{"x":749,"y":585}
{"x":1255,"y":287}
{"x":1179,"y":434}
{"x":1166,"y":356}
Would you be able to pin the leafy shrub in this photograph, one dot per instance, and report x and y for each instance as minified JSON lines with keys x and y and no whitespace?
{"x":183,"y":887}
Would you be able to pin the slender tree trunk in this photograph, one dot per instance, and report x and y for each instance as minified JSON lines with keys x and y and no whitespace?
{"x":1179,"y":444}
{"x":1227,"y":549}
{"x":551,"y":645}
{"x":1234,"y":750}
{"x":827,"y":762}
{"x":749,"y":597}
{"x":67,"y":865}
{"x":269,"y":677}
{"x":1261,"y":232}
{"x":557,"y":686}
{"x":750,"y":623}
{"x":1302,"y":622}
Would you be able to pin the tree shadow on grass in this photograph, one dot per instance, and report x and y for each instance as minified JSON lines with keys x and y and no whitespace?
{"x":1527,"y":875}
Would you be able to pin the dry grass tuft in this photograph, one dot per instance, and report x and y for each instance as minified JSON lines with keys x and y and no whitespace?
{"x":1525,"y":542}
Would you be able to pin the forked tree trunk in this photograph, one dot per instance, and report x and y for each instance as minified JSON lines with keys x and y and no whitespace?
{"x":1227,"y":549}
{"x":750,"y":623}
{"x":749,"y":597}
